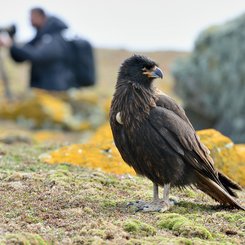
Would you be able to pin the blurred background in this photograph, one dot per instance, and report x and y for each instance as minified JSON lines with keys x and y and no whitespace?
{"x":198,"y":44}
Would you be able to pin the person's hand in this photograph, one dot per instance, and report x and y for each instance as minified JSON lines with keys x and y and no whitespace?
{"x":1,"y":42}
{"x":5,"y":41}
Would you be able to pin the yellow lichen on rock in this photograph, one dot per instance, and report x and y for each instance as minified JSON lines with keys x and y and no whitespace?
{"x":107,"y":106}
{"x":240,"y":149}
{"x":54,"y":107}
{"x":12,"y":135}
{"x":42,"y":108}
{"x":47,"y":136}
{"x":38,"y":106}
{"x":86,"y":95}
{"x":99,"y":153}
{"x":227,"y":156}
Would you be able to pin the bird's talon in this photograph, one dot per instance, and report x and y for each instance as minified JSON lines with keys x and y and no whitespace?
{"x":137,"y":204}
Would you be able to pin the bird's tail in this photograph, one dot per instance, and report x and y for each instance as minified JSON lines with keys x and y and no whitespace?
{"x":214,"y":190}
{"x":229,"y":184}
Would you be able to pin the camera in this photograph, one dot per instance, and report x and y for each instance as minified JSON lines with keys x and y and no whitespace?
{"x":11,"y":30}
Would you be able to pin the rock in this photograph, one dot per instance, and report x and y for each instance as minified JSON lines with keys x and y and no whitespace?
{"x":211,"y":80}
{"x":78,"y":111}
{"x":101,"y":153}
{"x":228,"y":157}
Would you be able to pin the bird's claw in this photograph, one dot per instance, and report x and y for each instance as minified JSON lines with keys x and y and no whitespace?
{"x":155,"y":206}
{"x":137,"y":204}
{"x":159,"y":206}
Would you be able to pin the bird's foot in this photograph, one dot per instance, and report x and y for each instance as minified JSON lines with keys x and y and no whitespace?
{"x":154,"y":206}
{"x":157,"y":206}
{"x":137,"y":205}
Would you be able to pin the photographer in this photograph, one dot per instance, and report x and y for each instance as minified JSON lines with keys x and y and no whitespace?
{"x":48,"y":53}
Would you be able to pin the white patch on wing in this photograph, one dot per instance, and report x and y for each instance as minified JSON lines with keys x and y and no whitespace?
{"x":118,"y":118}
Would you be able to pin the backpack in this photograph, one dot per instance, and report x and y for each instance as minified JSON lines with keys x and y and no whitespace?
{"x":82,"y":62}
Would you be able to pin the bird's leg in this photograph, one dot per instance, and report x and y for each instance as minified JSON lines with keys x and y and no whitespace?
{"x":166,"y":199}
{"x":158,"y":205}
{"x":155,"y":192}
{"x":140,"y":204}
{"x":166,"y":195}
{"x":166,"y":190}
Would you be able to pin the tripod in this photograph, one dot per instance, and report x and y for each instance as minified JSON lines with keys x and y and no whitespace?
{"x":3,"y":73}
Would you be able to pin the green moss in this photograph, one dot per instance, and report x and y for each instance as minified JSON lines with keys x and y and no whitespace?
{"x":183,"y":226}
{"x":109,"y":203}
{"x":140,"y":228}
{"x":61,"y":176}
{"x":190,"y":193}
{"x":162,"y":240}
{"x":24,"y":238}
{"x":32,"y":219}
{"x":169,"y":220}
{"x":231,"y":217}
{"x":235,"y":218}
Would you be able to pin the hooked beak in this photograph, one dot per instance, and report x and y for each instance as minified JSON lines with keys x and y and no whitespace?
{"x":156,"y":72}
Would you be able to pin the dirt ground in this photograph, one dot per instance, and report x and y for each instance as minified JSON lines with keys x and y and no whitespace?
{"x":62,"y":204}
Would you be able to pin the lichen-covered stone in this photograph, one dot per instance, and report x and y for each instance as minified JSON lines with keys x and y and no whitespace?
{"x":100,"y":152}
{"x":16,"y":135}
{"x":228,"y":157}
{"x":211,"y":80}
{"x":75,"y":110}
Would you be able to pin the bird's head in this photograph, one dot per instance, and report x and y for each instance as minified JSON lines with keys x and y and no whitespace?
{"x":139,"y":69}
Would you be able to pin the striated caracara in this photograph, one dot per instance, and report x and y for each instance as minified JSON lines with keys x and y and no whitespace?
{"x":155,"y":137}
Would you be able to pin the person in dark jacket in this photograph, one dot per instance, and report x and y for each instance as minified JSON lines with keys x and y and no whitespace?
{"x":48,"y":53}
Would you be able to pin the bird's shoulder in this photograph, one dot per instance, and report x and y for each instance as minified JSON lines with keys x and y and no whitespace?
{"x":165,"y":101}
{"x":172,"y":123}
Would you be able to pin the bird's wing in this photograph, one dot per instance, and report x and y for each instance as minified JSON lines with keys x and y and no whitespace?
{"x":122,"y":143}
{"x":168,"y":103}
{"x":170,"y":121}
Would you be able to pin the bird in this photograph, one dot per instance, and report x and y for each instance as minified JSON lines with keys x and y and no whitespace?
{"x":155,"y":137}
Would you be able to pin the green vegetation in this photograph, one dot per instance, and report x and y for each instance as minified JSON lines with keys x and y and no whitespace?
{"x":183,"y":226}
{"x":63,"y":204}
{"x":140,"y":228}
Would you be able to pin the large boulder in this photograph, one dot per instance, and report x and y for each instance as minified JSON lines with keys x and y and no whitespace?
{"x":211,"y":81}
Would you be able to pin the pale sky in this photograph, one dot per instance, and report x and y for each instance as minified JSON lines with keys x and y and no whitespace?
{"x":128,"y":24}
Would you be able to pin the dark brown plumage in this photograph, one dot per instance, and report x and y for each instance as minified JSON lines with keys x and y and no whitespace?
{"x":155,"y":137}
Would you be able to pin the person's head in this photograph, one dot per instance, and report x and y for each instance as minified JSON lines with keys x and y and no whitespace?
{"x":38,"y":17}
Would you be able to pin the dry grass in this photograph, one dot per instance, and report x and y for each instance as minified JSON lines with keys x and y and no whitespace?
{"x":62,"y":204}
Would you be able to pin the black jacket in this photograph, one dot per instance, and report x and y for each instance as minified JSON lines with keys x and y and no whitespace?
{"x":49,"y":55}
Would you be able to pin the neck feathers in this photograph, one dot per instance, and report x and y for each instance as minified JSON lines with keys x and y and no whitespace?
{"x":133,"y":102}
